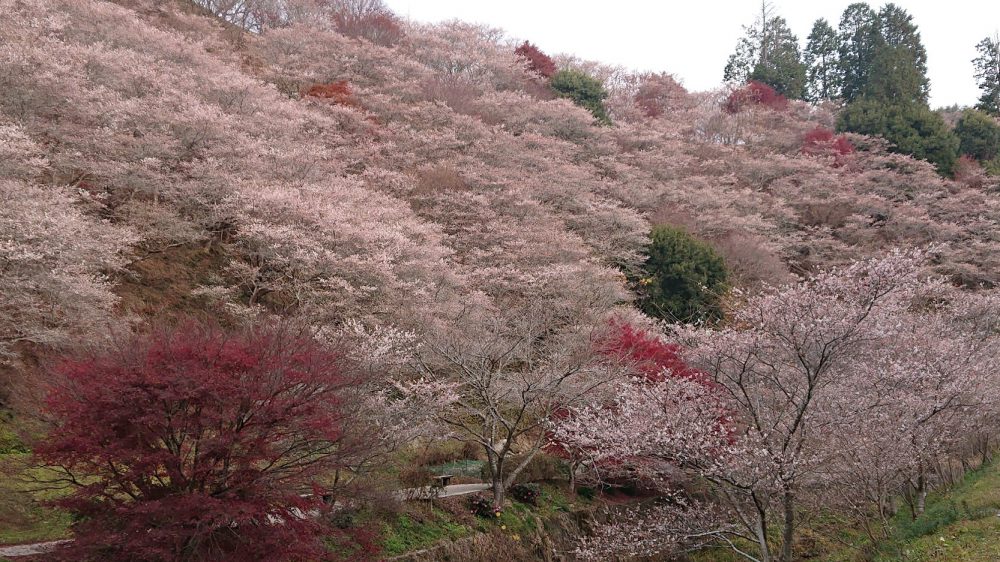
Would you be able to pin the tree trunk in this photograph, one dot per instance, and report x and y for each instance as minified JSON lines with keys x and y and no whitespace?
{"x":788,"y":525}
{"x":498,"y":492}
{"x":909,"y":497}
{"x":496,"y":475}
{"x":765,"y":550}
{"x":921,"y":491}
{"x":761,"y":530}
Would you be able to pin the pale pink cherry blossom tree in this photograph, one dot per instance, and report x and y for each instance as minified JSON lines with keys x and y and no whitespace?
{"x":915,"y":404}
{"x":56,"y":255}
{"x":784,"y":360}
{"x":510,"y":363}
{"x":653,"y":424}
{"x":795,"y":369}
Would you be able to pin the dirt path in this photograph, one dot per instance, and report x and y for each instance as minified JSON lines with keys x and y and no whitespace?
{"x":30,"y":549}
{"x":430,"y":492}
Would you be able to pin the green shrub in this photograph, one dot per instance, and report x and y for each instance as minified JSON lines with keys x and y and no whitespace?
{"x":483,"y":507}
{"x":406,"y":533}
{"x":936,"y":517}
{"x":992,"y":167}
{"x":683,"y":278}
{"x":526,"y":493}
{"x":584,"y":90}
{"x":912,"y":129}
{"x":978,"y":135}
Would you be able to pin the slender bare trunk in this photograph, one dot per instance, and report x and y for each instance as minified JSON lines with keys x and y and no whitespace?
{"x":788,"y":525}
{"x":496,"y":476}
{"x":921,"y":491}
{"x":761,"y":531}
{"x":519,"y":468}
{"x":498,"y":494}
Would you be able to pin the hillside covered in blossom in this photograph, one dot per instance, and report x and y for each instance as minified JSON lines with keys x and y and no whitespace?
{"x":474,"y":244}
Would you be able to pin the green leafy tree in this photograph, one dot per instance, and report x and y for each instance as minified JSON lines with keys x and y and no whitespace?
{"x":883,"y":65}
{"x":988,"y":74}
{"x":683,"y":278}
{"x":742,"y":61}
{"x":899,"y":67}
{"x":860,"y":37}
{"x":781,"y":64}
{"x":584,"y":90}
{"x":768,"y":53}
{"x":978,"y":135}
{"x":912,"y":129}
{"x":821,"y":61}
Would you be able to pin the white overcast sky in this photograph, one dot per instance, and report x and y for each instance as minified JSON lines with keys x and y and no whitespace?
{"x":693,"y":38}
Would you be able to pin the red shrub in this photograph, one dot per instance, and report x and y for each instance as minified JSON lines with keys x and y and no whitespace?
{"x":755,"y":94}
{"x":823,"y":141}
{"x":338,"y":92}
{"x":649,"y":356}
{"x":537,"y":60}
{"x":197,"y":445}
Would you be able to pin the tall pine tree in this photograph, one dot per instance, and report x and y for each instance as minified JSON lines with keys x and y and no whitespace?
{"x":749,"y":48}
{"x":899,"y":68}
{"x":988,"y":75}
{"x":884,"y":70}
{"x":860,"y":37}
{"x":768,"y":52}
{"x":780,"y":65}
{"x":821,"y":60}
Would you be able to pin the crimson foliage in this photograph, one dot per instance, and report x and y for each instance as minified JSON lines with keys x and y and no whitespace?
{"x":823,"y":141}
{"x":193,"y":444}
{"x":339,"y":92}
{"x":649,"y":357}
{"x":649,"y":360}
{"x":537,"y":60}
{"x":754,"y":94}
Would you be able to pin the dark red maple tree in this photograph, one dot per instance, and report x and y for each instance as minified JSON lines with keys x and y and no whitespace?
{"x":194,"y":444}
{"x":537,"y":60}
{"x":821,"y":140}
{"x":754,"y":93}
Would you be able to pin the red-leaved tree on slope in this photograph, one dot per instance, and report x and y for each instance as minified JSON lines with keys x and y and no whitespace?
{"x":823,"y":142}
{"x":191,"y":444}
{"x":537,"y":60}
{"x":755,"y":94}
